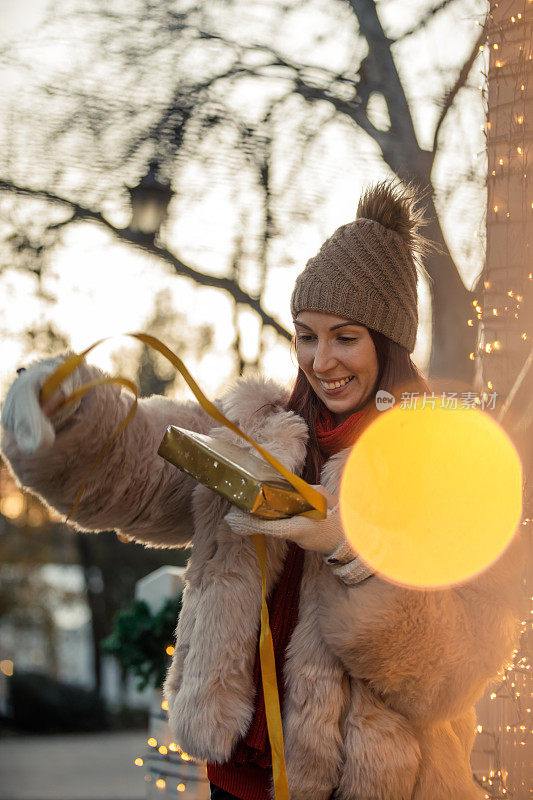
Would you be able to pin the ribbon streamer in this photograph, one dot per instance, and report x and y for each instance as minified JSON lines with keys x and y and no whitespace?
{"x":315,"y":498}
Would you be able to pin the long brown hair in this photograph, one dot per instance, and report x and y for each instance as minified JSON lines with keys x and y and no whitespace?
{"x":396,"y":374}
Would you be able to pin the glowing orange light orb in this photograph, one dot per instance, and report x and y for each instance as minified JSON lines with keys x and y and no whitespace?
{"x":430,"y":497}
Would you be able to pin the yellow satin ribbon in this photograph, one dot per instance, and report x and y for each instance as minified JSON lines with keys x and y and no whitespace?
{"x":315,"y":498}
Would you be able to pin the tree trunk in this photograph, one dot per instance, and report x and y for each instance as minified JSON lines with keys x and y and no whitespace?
{"x":452,"y":339}
{"x":96,"y":605}
{"x":505,"y":347}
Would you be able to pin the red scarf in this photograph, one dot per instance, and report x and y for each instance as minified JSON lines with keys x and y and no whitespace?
{"x":333,"y":437}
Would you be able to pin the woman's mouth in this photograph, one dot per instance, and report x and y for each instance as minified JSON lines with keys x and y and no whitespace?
{"x":336,"y":387}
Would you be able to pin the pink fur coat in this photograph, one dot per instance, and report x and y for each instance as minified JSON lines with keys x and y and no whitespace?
{"x":381,"y":681}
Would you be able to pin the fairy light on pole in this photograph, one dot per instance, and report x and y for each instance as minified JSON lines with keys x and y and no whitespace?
{"x":170,"y":772}
{"x":504,"y":346}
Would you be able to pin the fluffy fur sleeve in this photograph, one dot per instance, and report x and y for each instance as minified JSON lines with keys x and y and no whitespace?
{"x":132,"y":490}
{"x":428,"y":654}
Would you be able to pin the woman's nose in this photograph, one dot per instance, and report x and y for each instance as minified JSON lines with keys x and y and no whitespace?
{"x":323,"y":359}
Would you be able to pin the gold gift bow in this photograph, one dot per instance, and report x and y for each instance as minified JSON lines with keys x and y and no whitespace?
{"x":315,"y":498}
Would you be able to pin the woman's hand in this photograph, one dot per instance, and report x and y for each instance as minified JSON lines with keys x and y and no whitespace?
{"x":53,"y":403}
{"x":322,"y":535}
{"x":22,"y":415}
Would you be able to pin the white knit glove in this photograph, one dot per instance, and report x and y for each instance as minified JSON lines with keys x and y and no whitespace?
{"x":22,"y":415}
{"x":324,"y":536}
{"x":320,"y":535}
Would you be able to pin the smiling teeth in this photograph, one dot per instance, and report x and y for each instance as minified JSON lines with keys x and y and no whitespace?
{"x":335,"y":384}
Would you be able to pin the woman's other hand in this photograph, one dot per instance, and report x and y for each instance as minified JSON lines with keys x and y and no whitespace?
{"x":34,"y":427}
{"x":321,"y":536}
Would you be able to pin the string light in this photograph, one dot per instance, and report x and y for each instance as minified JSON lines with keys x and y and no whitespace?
{"x":164,"y":761}
{"x":505,"y":729}
{"x":6,"y":667}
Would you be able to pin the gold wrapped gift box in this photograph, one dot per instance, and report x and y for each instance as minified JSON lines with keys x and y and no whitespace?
{"x":243,"y":478}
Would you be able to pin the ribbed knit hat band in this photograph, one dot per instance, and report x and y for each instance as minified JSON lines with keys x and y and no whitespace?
{"x":364,"y":272}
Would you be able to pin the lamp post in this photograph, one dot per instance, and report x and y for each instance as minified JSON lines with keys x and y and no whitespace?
{"x":149,"y":201}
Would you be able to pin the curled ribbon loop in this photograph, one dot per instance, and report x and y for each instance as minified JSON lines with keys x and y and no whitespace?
{"x":315,"y":498}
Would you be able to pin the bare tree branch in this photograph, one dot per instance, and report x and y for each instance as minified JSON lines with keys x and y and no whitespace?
{"x":425,"y":20}
{"x":81,"y":213}
{"x":450,"y":95}
{"x":378,"y":73}
{"x":175,"y":124}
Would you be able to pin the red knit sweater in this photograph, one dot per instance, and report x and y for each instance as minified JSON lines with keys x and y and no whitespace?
{"x":247,"y":774}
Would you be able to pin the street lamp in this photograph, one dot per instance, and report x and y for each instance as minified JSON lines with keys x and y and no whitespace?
{"x":149,"y":201}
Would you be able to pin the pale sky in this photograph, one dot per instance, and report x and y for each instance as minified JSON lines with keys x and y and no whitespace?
{"x":105,"y":289}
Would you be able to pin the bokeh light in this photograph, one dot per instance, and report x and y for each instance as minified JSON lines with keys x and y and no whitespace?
{"x":430,"y":497}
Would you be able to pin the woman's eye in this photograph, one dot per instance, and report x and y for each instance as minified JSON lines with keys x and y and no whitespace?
{"x":302,"y":337}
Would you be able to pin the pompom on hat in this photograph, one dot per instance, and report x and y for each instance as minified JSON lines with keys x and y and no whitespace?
{"x":367,"y":270}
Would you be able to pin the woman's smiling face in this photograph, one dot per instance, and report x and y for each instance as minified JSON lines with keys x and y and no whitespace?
{"x":330,"y":349}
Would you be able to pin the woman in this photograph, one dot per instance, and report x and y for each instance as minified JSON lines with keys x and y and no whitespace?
{"x":377,"y":682}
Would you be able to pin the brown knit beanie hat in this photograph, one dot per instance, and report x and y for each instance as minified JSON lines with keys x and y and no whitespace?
{"x":367,"y":270}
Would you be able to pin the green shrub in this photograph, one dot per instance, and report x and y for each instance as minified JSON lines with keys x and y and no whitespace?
{"x":139,"y":640}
